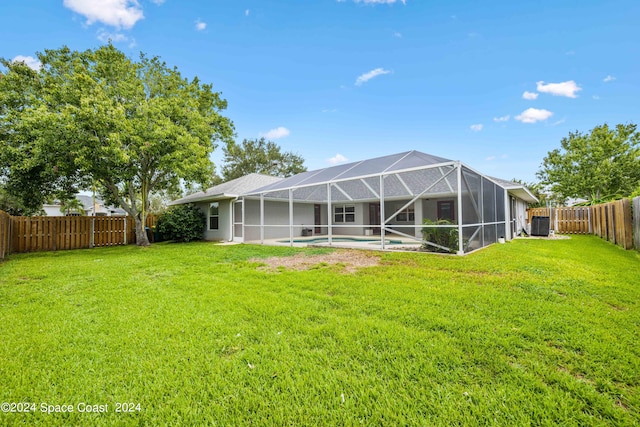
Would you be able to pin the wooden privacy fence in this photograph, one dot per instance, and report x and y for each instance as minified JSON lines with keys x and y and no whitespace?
{"x":5,"y":237}
{"x":53,"y":233}
{"x":635,"y":217}
{"x":565,"y":220}
{"x":612,"y":221}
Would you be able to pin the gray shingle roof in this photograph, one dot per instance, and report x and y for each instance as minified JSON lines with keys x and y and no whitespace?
{"x":378,"y":165}
{"x":230,"y":189}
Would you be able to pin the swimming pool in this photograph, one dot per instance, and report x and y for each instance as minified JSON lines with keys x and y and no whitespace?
{"x":313,"y":240}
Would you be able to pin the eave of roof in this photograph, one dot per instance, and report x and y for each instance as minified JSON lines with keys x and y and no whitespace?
{"x":229,"y":190}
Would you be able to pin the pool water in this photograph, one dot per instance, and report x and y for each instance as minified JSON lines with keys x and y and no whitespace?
{"x":342,"y":239}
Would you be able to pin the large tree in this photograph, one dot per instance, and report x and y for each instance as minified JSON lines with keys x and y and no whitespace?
{"x":259,"y":156}
{"x":598,"y":166}
{"x":96,"y":117}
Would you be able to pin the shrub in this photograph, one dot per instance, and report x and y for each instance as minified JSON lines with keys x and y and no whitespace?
{"x":444,"y":237}
{"x":182,"y":223}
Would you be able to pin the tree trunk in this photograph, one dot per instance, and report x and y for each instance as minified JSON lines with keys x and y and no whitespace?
{"x":141,"y":232}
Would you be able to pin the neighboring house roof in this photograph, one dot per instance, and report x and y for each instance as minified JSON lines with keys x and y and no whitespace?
{"x":230,"y":189}
{"x":87,"y":203}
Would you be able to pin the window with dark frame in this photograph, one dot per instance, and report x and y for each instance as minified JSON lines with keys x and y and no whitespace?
{"x":214,"y":209}
{"x":406,"y":215}
{"x":344,"y":213}
{"x":446,"y":211}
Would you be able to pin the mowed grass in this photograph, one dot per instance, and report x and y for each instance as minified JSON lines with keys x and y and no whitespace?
{"x":532,"y":332}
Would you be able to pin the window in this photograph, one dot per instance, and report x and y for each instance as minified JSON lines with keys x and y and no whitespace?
{"x":344,"y":213}
{"x":213,"y":215}
{"x":445,"y":210}
{"x":406,"y":215}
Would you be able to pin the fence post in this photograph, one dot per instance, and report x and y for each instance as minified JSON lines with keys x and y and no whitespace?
{"x":635,"y":218}
{"x":126,"y":230}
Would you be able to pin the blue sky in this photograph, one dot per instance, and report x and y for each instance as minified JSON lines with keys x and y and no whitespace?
{"x":494,"y":84}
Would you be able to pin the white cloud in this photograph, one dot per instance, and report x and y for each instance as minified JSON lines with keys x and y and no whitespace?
{"x":201,"y":26}
{"x":596,"y":97}
{"x":608,"y":79}
{"x":533,"y":115}
{"x":279,"y":132}
{"x":29,"y":61}
{"x":568,"y":88}
{"x":371,"y":74}
{"x":529,"y":95}
{"x":116,"y":13}
{"x":104,"y":36}
{"x":476,"y":128}
{"x":246,"y":12}
{"x":338,"y":158}
{"x":330,"y":110}
{"x":397,"y":35}
{"x":490,"y":158}
{"x":502,"y":119}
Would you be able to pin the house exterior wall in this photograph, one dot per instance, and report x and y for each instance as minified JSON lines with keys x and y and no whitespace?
{"x":430,"y":208}
{"x":224,"y":220}
{"x":351,"y":228}
{"x":276,"y":219}
{"x":406,"y":227}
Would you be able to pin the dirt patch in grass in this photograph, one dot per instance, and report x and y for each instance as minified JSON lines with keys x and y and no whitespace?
{"x":351,"y":260}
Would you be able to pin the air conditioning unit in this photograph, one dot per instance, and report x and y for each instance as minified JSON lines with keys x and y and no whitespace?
{"x":540,"y":226}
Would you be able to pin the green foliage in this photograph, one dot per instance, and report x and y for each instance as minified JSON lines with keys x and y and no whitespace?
{"x":602,"y":165}
{"x":11,"y":204}
{"x":70,"y":206}
{"x":130,"y":127}
{"x":182,"y":223}
{"x":440,"y":239}
{"x":533,"y":332}
{"x":259,"y":156}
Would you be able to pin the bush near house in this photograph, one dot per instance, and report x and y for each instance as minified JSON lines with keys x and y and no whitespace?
{"x":183,"y":223}
{"x":444,"y":237}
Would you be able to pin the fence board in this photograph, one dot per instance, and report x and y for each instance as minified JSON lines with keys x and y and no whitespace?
{"x":635,"y":222}
{"x":5,"y":234}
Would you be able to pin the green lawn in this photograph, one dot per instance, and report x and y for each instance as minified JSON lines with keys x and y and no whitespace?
{"x":532,"y":332}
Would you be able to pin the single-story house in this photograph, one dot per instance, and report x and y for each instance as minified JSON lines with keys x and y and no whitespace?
{"x":385,"y":200}
{"x":91,"y":207}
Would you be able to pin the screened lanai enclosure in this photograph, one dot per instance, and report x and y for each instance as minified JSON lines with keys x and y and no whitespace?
{"x":406,"y":199}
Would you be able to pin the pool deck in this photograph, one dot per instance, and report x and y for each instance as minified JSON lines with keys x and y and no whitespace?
{"x":356,"y":242}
